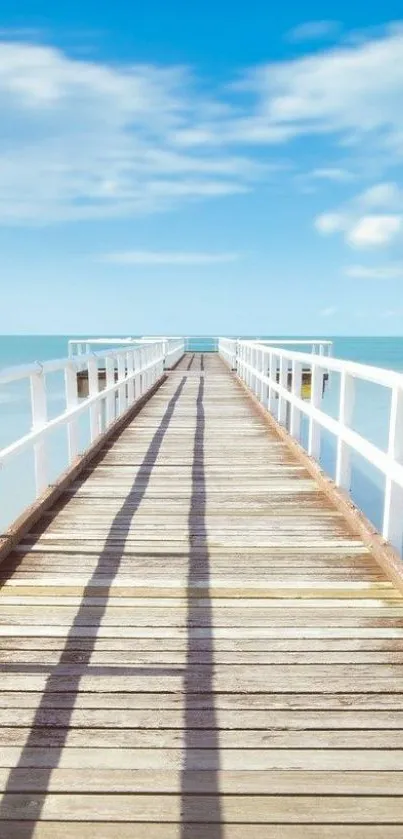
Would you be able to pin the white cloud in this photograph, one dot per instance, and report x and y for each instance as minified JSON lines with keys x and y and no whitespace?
{"x":391,"y":271}
{"x":82,"y":139}
{"x":331,"y":174}
{"x":168,"y":258}
{"x":328,"y":312}
{"x":382,"y":195}
{"x":392,"y":313}
{"x":85,"y":139}
{"x":374,"y":230}
{"x":314,"y":30}
{"x":329,"y":223}
{"x":362,"y":228}
{"x":352,"y":91}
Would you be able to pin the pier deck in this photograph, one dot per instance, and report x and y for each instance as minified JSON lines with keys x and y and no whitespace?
{"x":193,"y":644}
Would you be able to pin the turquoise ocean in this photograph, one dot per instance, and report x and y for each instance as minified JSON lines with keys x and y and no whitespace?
{"x":370,"y":417}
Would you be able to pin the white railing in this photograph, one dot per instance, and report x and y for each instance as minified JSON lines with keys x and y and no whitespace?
{"x":174,"y":350}
{"x":274,"y":374}
{"x":128,"y":372}
{"x":82,"y":346}
{"x":318,"y":345}
{"x":228,"y":349}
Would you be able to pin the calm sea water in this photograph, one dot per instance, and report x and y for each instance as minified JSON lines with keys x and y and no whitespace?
{"x":370,"y":415}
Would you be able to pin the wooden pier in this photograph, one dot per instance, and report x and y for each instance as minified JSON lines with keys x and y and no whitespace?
{"x":195,"y":644}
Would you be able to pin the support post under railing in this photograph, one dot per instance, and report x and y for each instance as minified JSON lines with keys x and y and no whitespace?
{"x":111,"y":397}
{"x":93,"y":389}
{"x":393,"y":507}
{"x":122,"y":387}
{"x":71,"y":391}
{"x":39,"y":418}
{"x":346,"y":405}
{"x":295,"y":413}
{"x":272,"y":378}
{"x":141,"y":376}
{"x":282,"y":402}
{"x":316,"y":397}
{"x":262,"y":384}
{"x":130,"y":371}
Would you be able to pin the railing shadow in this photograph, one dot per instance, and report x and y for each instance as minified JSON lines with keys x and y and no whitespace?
{"x":124,"y":518}
{"x":197,"y":678}
{"x":200,"y":680}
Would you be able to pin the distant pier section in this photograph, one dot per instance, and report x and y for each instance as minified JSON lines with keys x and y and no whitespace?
{"x":83,"y":346}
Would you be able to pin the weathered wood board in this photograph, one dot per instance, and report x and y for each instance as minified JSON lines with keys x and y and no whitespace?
{"x":194,"y":645}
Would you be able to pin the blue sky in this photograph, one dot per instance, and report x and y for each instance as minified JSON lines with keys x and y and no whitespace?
{"x":172,"y":167}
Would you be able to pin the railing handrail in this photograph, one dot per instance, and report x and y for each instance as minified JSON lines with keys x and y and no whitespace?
{"x":266,"y":371}
{"x":376,"y":375}
{"x":129,"y":371}
{"x":24,"y":371}
{"x":274,"y":341}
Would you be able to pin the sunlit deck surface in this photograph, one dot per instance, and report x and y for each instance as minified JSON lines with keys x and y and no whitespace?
{"x":193,"y":645}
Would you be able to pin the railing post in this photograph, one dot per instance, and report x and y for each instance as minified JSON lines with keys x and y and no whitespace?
{"x":282,"y":402}
{"x":346,"y":405}
{"x":265,"y":371}
{"x":242,"y":363}
{"x":146,"y":360}
{"x":295,"y":413}
{"x":256,"y":367}
{"x":70,"y":384}
{"x":161,"y":365}
{"x":137,"y":378}
{"x":165,"y":345}
{"x":272,"y":378}
{"x":122,"y":387}
{"x":111,"y":397}
{"x":39,"y":419}
{"x":316,"y":397}
{"x":93,"y":389}
{"x":393,"y":509}
{"x":262,"y":373}
{"x":130,"y":379}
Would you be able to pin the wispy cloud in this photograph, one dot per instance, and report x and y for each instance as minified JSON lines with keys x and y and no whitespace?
{"x":351,"y":92}
{"x":87,"y":139}
{"x":390,"y":271}
{"x":163,"y":258}
{"x":331,"y":174}
{"x":82,"y":139}
{"x":328,"y":312}
{"x":314,"y":30}
{"x":361,"y":226}
{"x":392,"y":313}
{"x":372,"y":231}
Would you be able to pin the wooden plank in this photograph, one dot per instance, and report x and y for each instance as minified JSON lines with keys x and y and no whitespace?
{"x":225,"y":720}
{"x":147,"y":830}
{"x":180,"y":700}
{"x":250,"y":760}
{"x":194,"y":617}
{"x":116,"y":657}
{"x":269,"y":782}
{"x":207,"y":809}
{"x":200,"y":740}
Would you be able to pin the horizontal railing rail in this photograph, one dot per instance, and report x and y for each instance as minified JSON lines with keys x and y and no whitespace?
{"x":321,"y":346}
{"x":117,"y":379}
{"x":274,"y":375}
{"x":228,"y":349}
